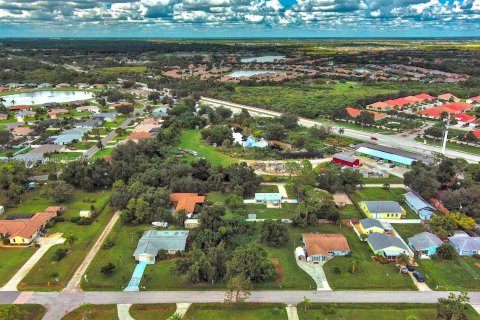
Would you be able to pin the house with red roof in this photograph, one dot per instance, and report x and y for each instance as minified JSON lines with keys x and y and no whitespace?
{"x":21,"y":131}
{"x":459,"y":106}
{"x":398,"y":103}
{"x":476,"y":133}
{"x":186,"y":201}
{"x":20,"y":107}
{"x":474,"y":100}
{"x":464,"y":119}
{"x":425,"y":97}
{"x":448,"y":97}
{"x":352,"y":112}
{"x":54,"y":113}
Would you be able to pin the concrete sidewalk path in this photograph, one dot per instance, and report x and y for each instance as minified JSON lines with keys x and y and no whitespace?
{"x":45,"y":244}
{"x":123,"y":312}
{"x":182,"y":309}
{"x":292,"y":313}
{"x":316,"y":272}
{"x":74,"y":283}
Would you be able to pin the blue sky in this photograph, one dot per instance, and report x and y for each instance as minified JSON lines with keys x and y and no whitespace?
{"x":239,"y":18}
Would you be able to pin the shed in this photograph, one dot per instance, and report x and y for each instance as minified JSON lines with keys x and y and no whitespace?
{"x":191,"y":223}
{"x":85,"y":213}
{"x":300,"y":254}
{"x":345,"y":160}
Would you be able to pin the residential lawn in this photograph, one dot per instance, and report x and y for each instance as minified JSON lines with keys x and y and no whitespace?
{"x":216,"y":197}
{"x":84,"y":145}
{"x":53,"y":276}
{"x":105,"y":152}
{"x":34,"y":311}
{"x":450,"y":274}
{"x":117,"y":122}
{"x":248,"y":311}
{"x":350,"y":211}
{"x":97,"y":312}
{"x":267,"y":189}
{"x":66,"y":155}
{"x":12,"y":260}
{"x":192,"y":140}
{"x":285,"y":212}
{"x":152,"y":311}
{"x":374,"y":311}
{"x":369,"y":275}
{"x":378,"y":194}
{"x":391,"y":179}
{"x":122,"y":136}
{"x":407,"y":230}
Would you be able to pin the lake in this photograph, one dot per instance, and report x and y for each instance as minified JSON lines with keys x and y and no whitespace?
{"x":262,"y":59}
{"x":49,"y":96}
{"x":249,"y":73}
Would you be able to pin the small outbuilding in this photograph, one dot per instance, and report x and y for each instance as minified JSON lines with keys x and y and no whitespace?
{"x":85,"y":214}
{"x":419,"y":205}
{"x":191,"y":223}
{"x":300,"y":254}
{"x":345,"y":160}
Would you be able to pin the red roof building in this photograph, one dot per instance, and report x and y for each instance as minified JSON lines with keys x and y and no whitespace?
{"x":186,"y":201}
{"x":20,"y":107}
{"x":476,"y":133}
{"x":425,"y":96}
{"x":352,"y":112}
{"x":459,"y":106}
{"x":475,"y":99}
{"x":379,"y":106}
{"x":400,"y":102}
{"x":140,"y":135}
{"x":465,"y":118}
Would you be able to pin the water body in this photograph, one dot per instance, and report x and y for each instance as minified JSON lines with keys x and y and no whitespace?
{"x":249,"y":73}
{"x":42,"y":97}
{"x":262,"y":59}
{"x":249,"y":142}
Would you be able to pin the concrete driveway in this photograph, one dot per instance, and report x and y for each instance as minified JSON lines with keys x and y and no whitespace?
{"x":45,"y":244}
{"x":316,"y":272}
{"x":422,"y":286}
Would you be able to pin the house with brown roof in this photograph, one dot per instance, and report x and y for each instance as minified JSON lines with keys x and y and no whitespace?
{"x":186,"y":201}
{"x":321,"y":247}
{"x":448,"y":97}
{"x":136,"y":136}
{"x":24,"y":231}
{"x":54,"y":113}
{"x":21,"y":131}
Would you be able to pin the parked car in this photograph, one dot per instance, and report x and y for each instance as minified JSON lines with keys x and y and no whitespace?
{"x":72,"y":148}
{"x":401,"y":268}
{"x":374,"y":138}
{"x":391,"y":166}
{"x":418,"y":276}
{"x":410,"y":267}
{"x":380,"y":161}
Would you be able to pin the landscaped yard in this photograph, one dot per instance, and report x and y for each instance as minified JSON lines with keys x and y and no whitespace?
{"x":105,"y":152}
{"x":266,"y":188}
{"x":12,"y":260}
{"x":50,"y":276}
{"x":34,"y":311}
{"x":369,"y":275}
{"x":152,"y":311}
{"x":236,"y":312}
{"x":192,"y":140}
{"x":262,"y":212}
{"x":381,"y":194}
{"x":84,"y":145}
{"x":97,"y":312}
{"x":373,"y":312}
{"x":66,"y":155}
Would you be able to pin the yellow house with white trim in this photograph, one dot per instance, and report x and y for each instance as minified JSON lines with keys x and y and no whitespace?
{"x":382,"y":209}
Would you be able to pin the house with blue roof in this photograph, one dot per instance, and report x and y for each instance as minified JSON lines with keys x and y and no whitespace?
{"x":68,"y":136}
{"x":390,"y":157}
{"x":419,"y":205}
{"x":160,"y":112}
{"x":152,"y":241}
{"x":465,"y":245}
{"x":425,"y":244}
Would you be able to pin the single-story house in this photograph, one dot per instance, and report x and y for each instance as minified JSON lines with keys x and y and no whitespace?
{"x":3,"y":116}
{"x":465,"y":245}
{"x":419,"y":205}
{"x":108,"y":117}
{"x":382,"y":209}
{"x":88,"y":123}
{"x":54,"y":113}
{"x":186,"y":201}
{"x":21,"y":131}
{"x":137,"y":136}
{"x":152,"y":241}
{"x":321,"y":247}
{"x":24,"y":231}
{"x":272,"y":198}
{"x":473,"y":100}
{"x":20,"y":107}
{"x":46,"y":148}
{"x":160,"y":112}
{"x":92,"y":109}
{"x":448,"y":97}
{"x":21,"y":115}
{"x":425,"y":243}
{"x":30,"y":159}
{"x":370,"y":225}
{"x":389,"y":246}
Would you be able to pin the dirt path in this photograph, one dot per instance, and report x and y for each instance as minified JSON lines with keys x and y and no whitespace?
{"x":74,"y":283}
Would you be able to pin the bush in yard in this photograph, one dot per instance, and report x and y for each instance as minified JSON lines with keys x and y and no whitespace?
{"x":108,"y":244}
{"x":74,"y":219}
{"x":446,"y":252}
{"x":162,"y":254}
{"x":337,"y":270}
{"x":274,"y":233}
{"x":59,"y":254}
{"x":59,"y":191}
{"x":108,"y":269}
{"x":12,"y":312}
{"x":476,"y":256}
{"x":328,"y":309}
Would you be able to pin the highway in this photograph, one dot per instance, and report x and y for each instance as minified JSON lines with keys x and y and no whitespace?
{"x":393,"y":141}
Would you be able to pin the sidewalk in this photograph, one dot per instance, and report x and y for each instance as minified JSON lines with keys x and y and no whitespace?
{"x":45,"y":244}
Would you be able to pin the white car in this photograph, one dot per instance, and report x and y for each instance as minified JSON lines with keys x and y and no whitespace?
{"x":162,"y":224}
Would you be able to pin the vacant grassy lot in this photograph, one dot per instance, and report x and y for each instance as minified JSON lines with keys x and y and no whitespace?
{"x":236,"y":312}
{"x":12,"y":260}
{"x":105,"y":152}
{"x":50,"y":276}
{"x":34,"y":311}
{"x":381,"y":194}
{"x":192,"y":140}
{"x":262,"y":212}
{"x":97,"y":312}
{"x":374,"y":311}
{"x":152,"y":311}
{"x":369,"y":274}
{"x":350,"y":211}
{"x":66,"y":155}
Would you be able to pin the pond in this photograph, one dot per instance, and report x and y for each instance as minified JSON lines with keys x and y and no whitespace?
{"x":49,"y":96}
{"x":262,"y":59}
{"x":249,"y":73}
{"x":248,"y":142}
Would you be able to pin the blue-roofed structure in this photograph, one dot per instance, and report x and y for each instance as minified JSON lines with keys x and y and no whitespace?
{"x":274,"y":198}
{"x":70,"y":135}
{"x":393,"y":158}
{"x":419,"y":205}
{"x":160,"y":112}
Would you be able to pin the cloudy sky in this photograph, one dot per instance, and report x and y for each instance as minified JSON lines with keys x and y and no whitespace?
{"x":239,"y":18}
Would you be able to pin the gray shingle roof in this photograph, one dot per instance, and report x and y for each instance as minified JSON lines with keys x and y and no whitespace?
{"x":425,"y":240}
{"x":380,"y":241}
{"x":369,"y":223}
{"x":383,"y":206}
{"x":466,"y":243}
{"x":152,"y":241}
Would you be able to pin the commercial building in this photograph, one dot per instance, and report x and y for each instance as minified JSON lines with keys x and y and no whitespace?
{"x":345,"y":160}
{"x":390,"y":157}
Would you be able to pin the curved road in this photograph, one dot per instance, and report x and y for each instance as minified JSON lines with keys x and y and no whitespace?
{"x":385,"y":140}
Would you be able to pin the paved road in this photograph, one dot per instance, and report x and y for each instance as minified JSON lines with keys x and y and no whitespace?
{"x":59,"y":303}
{"x":74,"y":283}
{"x":386,"y":140}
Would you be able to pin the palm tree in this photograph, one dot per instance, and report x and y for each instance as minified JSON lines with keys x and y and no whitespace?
{"x":403,"y":259}
{"x":306,"y":303}
{"x":341,"y":131}
{"x":13,"y":102}
{"x":70,"y":239}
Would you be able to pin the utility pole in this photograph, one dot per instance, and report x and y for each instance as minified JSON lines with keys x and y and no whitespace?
{"x":445,"y":137}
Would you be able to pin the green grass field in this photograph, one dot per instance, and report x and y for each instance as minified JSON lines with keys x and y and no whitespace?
{"x":350,"y":211}
{"x":84,"y":145}
{"x":192,"y":140}
{"x":374,"y":312}
{"x":152,"y":311}
{"x":267,"y":189}
{"x":34,"y":311}
{"x":369,"y":274}
{"x":391,"y":179}
{"x":12,"y":260}
{"x":49,"y":276}
{"x":103,"y":153}
{"x":66,"y":155}
{"x":262,"y":212}
{"x":236,"y":312}
{"x":97,"y":312}
{"x":407,"y":230}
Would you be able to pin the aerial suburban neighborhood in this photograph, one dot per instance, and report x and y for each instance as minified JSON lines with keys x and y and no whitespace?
{"x":238,"y":178}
